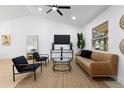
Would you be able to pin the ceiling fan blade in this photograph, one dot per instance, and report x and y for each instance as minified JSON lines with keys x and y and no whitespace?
{"x":59,"y":12}
{"x":64,"y":7}
{"x":49,"y":5}
{"x":49,"y":11}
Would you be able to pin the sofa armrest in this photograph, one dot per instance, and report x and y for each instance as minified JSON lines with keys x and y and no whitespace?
{"x":101,"y":68}
{"x":77,"y":54}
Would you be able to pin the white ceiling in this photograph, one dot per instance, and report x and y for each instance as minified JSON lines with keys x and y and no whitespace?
{"x":84,"y":13}
{"x":9,"y":12}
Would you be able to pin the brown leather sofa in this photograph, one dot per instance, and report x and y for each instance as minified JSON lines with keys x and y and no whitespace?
{"x":100,"y":64}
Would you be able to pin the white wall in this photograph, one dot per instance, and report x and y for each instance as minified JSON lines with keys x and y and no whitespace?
{"x":45,"y":29}
{"x":113,"y":15}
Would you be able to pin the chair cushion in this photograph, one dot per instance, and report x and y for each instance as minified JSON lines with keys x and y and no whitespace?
{"x":19,"y":60}
{"x":43,"y":58}
{"x":36,"y":55}
{"x":30,"y":67}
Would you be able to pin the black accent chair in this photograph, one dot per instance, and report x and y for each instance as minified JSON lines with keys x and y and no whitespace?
{"x":41,"y":57}
{"x":22,"y":66}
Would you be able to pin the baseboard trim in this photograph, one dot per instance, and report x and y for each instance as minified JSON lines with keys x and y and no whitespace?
{"x":120,"y":80}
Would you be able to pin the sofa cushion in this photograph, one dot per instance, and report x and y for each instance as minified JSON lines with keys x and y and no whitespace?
{"x":86,"y":53}
{"x":100,"y":56}
{"x":84,"y":61}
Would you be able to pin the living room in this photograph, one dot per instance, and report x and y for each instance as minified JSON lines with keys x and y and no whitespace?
{"x":20,"y":21}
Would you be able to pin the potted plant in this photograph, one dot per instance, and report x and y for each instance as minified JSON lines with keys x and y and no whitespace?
{"x":81,"y":41}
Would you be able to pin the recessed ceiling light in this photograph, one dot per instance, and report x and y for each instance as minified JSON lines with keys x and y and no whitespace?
{"x":40,"y":9}
{"x":73,"y":17}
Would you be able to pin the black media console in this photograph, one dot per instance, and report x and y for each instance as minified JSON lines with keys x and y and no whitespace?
{"x":61,"y":51}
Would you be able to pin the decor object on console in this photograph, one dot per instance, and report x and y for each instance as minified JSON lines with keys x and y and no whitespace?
{"x":81,"y":41}
{"x":121,"y":23}
{"x":5,"y":40}
{"x":121,"y":46}
{"x":22,"y":66}
{"x":100,"y":64}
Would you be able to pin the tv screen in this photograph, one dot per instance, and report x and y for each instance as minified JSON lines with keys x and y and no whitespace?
{"x":61,"y":39}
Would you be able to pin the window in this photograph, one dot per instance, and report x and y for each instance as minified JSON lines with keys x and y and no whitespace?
{"x":100,"y":37}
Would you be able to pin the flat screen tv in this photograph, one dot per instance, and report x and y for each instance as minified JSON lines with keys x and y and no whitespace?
{"x":61,"y":39}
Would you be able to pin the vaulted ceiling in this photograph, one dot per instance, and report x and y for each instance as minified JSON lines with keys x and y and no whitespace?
{"x":10,"y":12}
{"x":83,"y":13}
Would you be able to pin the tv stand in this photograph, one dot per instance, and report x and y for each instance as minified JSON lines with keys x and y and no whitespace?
{"x":53,"y":45}
{"x":61,"y":52}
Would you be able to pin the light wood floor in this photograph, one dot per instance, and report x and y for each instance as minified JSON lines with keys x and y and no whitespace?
{"x":77,"y":78}
{"x":6,"y":74}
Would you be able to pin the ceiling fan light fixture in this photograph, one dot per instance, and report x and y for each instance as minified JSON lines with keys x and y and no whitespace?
{"x":73,"y":17}
{"x":57,"y":8}
{"x":40,"y":9}
{"x":54,"y":8}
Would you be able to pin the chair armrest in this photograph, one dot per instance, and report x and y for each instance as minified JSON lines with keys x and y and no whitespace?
{"x":21,"y":64}
{"x":44,"y":55}
{"x":101,"y":68}
{"x":25,"y":64}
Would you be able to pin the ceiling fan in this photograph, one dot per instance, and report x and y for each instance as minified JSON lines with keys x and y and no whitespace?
{"x":56,"y":8}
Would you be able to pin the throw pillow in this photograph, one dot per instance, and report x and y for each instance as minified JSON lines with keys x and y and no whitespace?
{"x":86,"y":53}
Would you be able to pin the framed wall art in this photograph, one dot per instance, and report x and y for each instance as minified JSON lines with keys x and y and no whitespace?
{"x":5,"y":40}
{"x":122,"y":22}
{"x":121,"y":46}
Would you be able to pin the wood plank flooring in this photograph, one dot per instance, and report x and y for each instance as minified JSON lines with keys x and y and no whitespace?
{"x":6,"y":80}
{"x":77,"y":78}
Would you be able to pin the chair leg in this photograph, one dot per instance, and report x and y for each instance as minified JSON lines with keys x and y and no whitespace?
{"x":13,"y":74}
{"x":45,"y":63}
{"x":41,"y":66}
{"x":34,"y":75}
{"x":48,"y":60}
